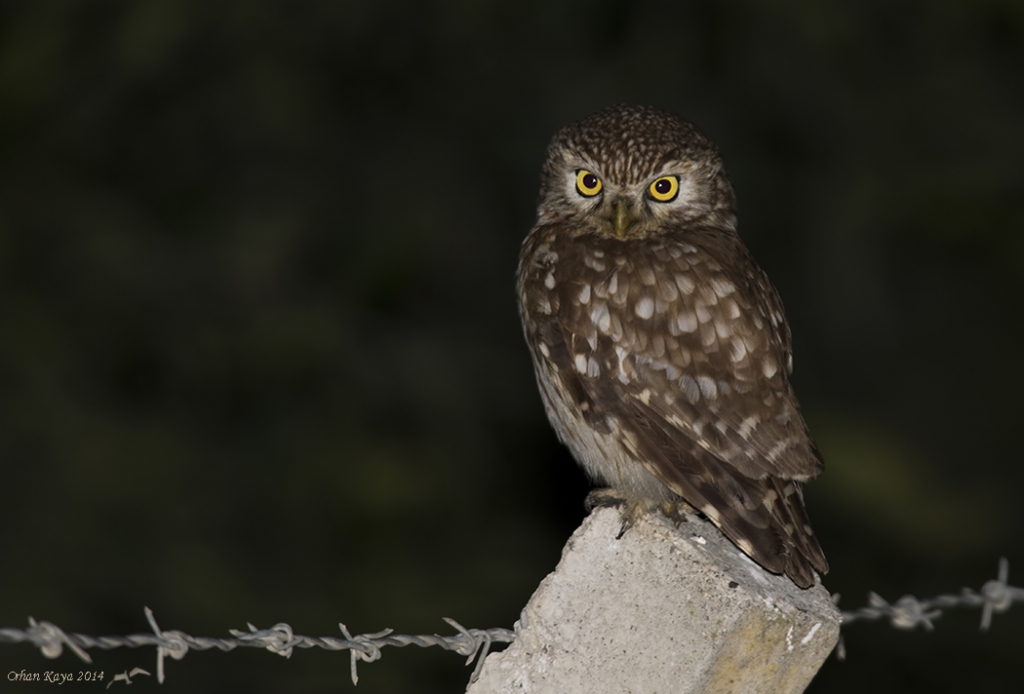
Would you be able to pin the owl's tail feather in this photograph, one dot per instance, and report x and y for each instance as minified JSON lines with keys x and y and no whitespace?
{"x":792,"y":516}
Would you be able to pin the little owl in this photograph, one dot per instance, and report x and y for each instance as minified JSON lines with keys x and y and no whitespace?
{"x":660,"y":347}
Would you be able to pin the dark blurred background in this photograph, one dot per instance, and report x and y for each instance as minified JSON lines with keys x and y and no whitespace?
{"x":259,"y":353}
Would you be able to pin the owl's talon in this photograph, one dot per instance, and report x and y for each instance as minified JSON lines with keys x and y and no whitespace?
{"x":612,"y":498}
{"x":622,"y":530}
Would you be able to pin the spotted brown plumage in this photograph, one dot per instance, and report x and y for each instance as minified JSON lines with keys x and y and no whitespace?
{"x":660,"y":347}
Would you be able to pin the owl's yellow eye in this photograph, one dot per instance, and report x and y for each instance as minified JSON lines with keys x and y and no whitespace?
{"x":664,"y":189}
{"x":587,"y":184}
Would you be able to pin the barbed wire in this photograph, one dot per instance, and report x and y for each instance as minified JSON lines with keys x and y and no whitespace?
{"x":996,"y":596}
{"x":908,"y":612}
{"x":51,"y":640}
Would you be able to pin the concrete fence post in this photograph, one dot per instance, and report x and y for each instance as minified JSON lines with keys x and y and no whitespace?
{"x":662,"y":610}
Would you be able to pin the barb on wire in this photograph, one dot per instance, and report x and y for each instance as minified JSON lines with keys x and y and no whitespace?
{"x":908,"y":612}
{"x":51,"y":640}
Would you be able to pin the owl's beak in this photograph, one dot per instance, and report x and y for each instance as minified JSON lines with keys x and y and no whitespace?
{"x":622,"y":217}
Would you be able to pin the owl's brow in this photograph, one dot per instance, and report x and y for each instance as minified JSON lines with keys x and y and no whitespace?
{"x":671,"y":166}
{"x":578,"y":160}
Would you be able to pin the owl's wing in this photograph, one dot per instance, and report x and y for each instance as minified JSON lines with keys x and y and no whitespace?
{"x":701,"y":344}
{"x":694,"y":381}
{"x":765,"y":517}
{"x":762,"y":513}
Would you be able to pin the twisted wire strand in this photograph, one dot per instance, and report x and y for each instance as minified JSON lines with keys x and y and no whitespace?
{"x":51,"y":641}
{"x":996,"y":596}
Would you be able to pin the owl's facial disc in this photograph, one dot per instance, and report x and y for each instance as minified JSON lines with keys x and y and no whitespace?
{"x":629,"y":206}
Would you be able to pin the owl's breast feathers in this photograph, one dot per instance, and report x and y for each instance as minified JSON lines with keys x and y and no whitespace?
{"x":670,"y":355}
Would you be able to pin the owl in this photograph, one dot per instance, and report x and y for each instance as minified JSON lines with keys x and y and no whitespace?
{"x":660,"y":347}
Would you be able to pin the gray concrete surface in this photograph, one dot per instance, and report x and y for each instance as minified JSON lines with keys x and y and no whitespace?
{"x":663,"y":609}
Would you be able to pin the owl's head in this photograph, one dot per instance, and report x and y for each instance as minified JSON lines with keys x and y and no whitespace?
{"x":632,"y":172}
